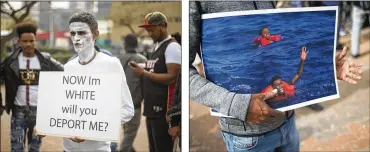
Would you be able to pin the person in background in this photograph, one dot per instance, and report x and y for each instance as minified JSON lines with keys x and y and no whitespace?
{"x":359,"y":10}
{"x":21,"y":72}
{"x":174,"y":113}
{"x":265,"y":38}
{"x":177,"y":37}
{"x":159,"y":78}
{"x":134,"y":83}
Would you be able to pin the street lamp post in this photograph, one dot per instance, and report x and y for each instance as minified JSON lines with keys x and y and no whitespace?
{"x":51,"y":27}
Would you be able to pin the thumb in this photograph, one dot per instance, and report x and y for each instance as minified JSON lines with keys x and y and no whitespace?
{"x":267,"y":110}
{"x":342,"y":54}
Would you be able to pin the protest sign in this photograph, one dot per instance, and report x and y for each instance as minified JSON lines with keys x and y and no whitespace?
{"x":80,"y":104}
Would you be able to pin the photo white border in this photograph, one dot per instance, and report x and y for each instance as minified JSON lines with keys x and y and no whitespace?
{"x":286,"y":10}
{"x":268,"y":11}
{"x":185,"y":77}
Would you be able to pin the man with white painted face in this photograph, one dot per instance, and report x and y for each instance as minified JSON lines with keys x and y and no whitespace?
{"x":84,"y":31}
{"x":21,"y":74}
{"x":159,"y":77}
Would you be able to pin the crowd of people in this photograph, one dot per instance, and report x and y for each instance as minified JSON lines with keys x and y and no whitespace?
{"x":153,"y":80}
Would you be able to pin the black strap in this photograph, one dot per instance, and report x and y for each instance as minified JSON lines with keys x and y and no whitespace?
{"x":273,"y":4}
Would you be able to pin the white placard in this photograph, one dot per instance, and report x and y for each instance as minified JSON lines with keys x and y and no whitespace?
{"x":79,"y":104}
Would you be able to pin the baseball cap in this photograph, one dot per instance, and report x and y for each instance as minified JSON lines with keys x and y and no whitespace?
{"x":154,"y":19}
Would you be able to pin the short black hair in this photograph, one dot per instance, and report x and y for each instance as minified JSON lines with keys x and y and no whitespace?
{"x":177,"y":37}
{"x":26,"y":27}
{"x":274,"y":79}
{"x":130,"y":41}
{"x":85,"y":17}
{"x":261,"y":30}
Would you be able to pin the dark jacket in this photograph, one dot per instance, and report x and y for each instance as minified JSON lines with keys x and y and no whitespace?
{"x":175,"y":111}
{"x":9,"y":71}
{"x":134,"y":82}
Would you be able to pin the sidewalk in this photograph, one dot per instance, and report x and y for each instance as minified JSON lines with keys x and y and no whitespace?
{"x":342,"y":126}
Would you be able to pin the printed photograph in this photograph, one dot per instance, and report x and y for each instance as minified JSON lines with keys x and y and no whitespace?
{"x":280,"y":52}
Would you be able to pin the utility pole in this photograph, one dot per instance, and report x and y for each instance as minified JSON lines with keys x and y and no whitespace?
{"x":51,"y":26}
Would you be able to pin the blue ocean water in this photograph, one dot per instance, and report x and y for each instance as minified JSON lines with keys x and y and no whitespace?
{"x":232,"y":61}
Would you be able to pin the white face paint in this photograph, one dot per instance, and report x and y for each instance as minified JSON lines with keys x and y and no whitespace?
{"x":82,"y":38}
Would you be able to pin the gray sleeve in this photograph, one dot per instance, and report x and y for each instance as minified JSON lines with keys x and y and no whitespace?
{"x":141,"y":58}
{"x":195,"y":25}
{"x":209,"y":94}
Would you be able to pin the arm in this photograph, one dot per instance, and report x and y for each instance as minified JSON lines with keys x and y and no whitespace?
{"x":269,"y":95}
{"x":204,"y":91}
{"x":174,"y":113}
{"x":216,"y":97}
{"x":173,"y":64}
{"x":164,"y":78}
{"x":300,"y":70}
{"x":275,"y":37}
{"x":256,"y":40}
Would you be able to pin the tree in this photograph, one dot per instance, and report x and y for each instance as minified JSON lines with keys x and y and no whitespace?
{"x":18,"y":16}
{"x":129,"y":13}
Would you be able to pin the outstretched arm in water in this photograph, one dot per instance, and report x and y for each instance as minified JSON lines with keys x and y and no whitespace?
{"x":304,"y":53}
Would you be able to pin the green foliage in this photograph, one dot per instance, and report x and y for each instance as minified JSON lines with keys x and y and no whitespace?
{"x":62,"y":57}
{"x":60,"y":54}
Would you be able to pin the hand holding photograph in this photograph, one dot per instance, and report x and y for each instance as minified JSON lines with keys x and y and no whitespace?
{"x":285,"y":54}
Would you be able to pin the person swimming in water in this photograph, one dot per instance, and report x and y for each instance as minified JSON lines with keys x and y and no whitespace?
{"x":278,"y":89}
{"x":265,"y":38}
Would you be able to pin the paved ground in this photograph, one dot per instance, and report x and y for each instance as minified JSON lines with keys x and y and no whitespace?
{"x":342,"y":126}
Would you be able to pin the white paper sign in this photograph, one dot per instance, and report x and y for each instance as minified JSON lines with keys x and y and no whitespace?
{"x":79,"y":104}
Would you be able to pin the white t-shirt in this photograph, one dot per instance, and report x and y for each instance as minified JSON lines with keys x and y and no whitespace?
{"x":20,"y":98}
{"x":102,"y":63}
{"x":172,"y":53}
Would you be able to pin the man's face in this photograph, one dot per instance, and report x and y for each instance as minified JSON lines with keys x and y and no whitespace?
{"x":27,"y":41}
{"x":82,"y":37}
{"x":154,"y":32}
{"x":277,"y":84}
{"x":266,"y":33}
